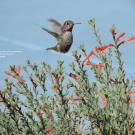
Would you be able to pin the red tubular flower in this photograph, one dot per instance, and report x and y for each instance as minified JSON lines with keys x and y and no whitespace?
{"x":82,"y":128}
{"x":38,"y":113}
{"x":12,"y":104}
{"x":95,"y":64}
{"x":69,"y":80}
{"x":71,"y":103}
{"x":121,"y":35}
{"x":87,"y":63}
{"x":121,"y":81}
{"x":77,"y":123}
{"x":130,"y":92}
{"x":95,"y":54}
{"x":103,"y":47}
{"x":31,"y":80}
{"x":55,"y":86}
{"x":19,"y":92}
{"x":41,"y":63}
{"x":77,"y":94}
{"x":89,"y":113}
{"x":50,"y":114}
{"x":113,"y":26}
{"x":104,"y":104}
{"x":76,"y":99}
{"x":127,"y":80}
{"x":12,"y":69}
{"x":0,"y":99}
{"x":100,"y":66}
{"x":128,"y":39}
{"x":88,"y":56}
{"x":44,"y":107}
{"x":58,"y":78}
{"x":52,"y":73}
{"x":112,"y":80}
{"x":94,"y":119}
{"x":73,"y":76}
{"x":19,"y":68}
{"x":131,"y":101}
{"x":19,"y":81}
{"x":37,"y":103}
{"x":49,"y":129}
{"x":113,"y":30}
{"x":8,"y":73}
{"x":79,"y":57}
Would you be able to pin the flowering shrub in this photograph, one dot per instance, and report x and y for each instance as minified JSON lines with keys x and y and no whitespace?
{"x":108,"y":108}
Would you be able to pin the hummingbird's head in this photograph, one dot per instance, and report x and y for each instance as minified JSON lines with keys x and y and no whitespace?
{"x":68,"y":25}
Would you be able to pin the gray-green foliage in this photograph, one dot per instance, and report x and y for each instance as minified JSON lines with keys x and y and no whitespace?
{"x":112,"y":116}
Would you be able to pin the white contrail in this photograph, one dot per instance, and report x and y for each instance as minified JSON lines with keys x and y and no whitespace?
{"x":31,"y":46}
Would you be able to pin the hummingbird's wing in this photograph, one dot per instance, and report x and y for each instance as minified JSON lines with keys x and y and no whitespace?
{"x":56,"y":26}
{"x":52,"y":33}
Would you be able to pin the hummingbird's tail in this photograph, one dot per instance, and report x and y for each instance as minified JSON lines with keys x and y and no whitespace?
{"x":53,"y":48}
{"x":50,"y":48}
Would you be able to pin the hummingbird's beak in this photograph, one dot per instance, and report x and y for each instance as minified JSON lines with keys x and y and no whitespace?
{"x":77,"y":23}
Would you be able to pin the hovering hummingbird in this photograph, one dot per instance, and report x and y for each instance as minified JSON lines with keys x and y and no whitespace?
{"x":63,"y":35}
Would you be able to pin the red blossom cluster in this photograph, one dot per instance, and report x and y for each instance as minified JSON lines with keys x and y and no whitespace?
{"x":90,"y":117}
{"x":91,"y":53}
{"x":100,"y":65}
{"x":75,"y":99}
{"x":19,"y":68}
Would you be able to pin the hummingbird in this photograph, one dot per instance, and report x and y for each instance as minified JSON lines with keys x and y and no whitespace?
{"x":63,"y":35}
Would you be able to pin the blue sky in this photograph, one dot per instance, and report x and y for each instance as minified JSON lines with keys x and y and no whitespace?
{"x":18,"y":32}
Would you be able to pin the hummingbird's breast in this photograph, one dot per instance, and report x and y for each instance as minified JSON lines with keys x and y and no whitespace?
{"x":65,"y":42}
